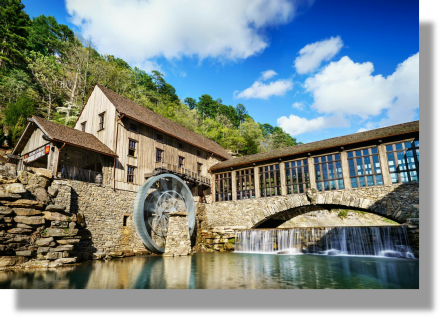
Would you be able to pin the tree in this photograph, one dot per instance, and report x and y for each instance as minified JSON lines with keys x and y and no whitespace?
{"x":241,"y":112}
{"x":252,"y":135}
{"x":207,"y":107}
{"x":14,"y":24}
{"x":190,"y":102}
{"x":16,"y":115}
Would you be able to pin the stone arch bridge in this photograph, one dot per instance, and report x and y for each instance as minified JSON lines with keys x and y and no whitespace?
{"x":395,"y":202}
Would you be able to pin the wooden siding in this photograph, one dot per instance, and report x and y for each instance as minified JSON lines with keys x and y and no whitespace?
{"x":145,"y":156}
{"x":35,"y":141}
{"x":96,"y":104}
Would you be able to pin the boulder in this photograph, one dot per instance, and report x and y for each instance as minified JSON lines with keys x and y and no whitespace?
{"x":60,"y":232}
{"x":35,"y":181}
{"x":55,"y":208}
{"x":16,"y":188}
{"x":4,"y":210}
{"x":41,"y":195}
{"x":68,"y":241}
{"x":8,"y":173}
{"x":55,"y":216}
{"x":27,"y":212}
{"x":11,"y":260}
{"x":30,"y":220}
{"x":24,"y":203}
{"x":52,"y":191}
{"x":23,"y":177}
{"x":43,"y":173}
{"x":44,"y":241}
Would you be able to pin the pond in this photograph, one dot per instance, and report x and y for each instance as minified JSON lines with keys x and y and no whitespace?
{"x":225,"y":271}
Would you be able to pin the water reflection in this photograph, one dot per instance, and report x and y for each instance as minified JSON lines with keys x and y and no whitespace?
{"x":227,"y":270}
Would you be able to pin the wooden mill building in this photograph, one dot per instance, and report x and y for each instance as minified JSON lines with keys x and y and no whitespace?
{"x":119,"y":143}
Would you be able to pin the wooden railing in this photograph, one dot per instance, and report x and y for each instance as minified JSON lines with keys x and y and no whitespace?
{"x":173,"y":168}
{"x":74,"y":173}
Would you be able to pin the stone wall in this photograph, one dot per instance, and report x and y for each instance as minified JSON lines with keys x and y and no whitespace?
{"x":178,"y":236}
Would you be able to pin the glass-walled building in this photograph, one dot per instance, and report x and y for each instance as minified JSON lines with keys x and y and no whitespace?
{"x":378,"y":157}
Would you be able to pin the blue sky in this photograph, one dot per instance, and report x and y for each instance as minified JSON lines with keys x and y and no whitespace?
{"x":358,"y":70}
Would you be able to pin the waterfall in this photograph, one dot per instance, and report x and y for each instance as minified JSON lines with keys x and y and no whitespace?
{"x":382,"y":241}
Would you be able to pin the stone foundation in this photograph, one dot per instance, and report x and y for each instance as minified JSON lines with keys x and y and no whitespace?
{"x":178,"y":235}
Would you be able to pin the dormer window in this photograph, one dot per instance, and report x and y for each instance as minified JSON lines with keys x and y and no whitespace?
{"x":101,"y":121}
{"x":132,"y":148}
{"x":83,"y":126}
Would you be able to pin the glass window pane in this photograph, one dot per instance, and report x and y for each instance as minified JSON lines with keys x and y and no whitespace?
{"x":416,"y":143}
{"x":326,"y":185}
{"x":316,"y":160}
{"x":331,"y":170}
{"x":323,"y":159}
{"x":350,"y":154}
{"x":394,"y":177}
{"x":354,"y":182}
{"x":358,"y":153}
{"x":370,"y":180}
{"x":389,"y":148}
{"x":374,"y":150}
{"x":329,"y":158}
{"x":413,"y":176}
{"x":341,"y":184}
{"x":404,"y":177}
{"x":365,"y":152}
{"x":361,"y":181}
{"x":332,"y":185}
{"x":339,"y":169}
{"x":319,"y":186}
{"x":305,"y":162}
{"x":286,"y":165}
{"x":378,"y":180}
{"x":398,"y":146}
{"x":337,"y":157}
{"x":407,"y":144}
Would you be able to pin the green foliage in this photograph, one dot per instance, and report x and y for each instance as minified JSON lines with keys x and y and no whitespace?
{"x":47,"y":71}
{"x":389,"y":221}
{"x":343,"y":214}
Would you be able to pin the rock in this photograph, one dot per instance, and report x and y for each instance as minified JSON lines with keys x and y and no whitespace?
{"x":62,"y":248}
{"x":52,"y":191}
{"x":68,"y":241}
{"x":24,"y":203}
{"x":23,"y":177}
{"x":229,"y":246}
{"x":24,"y":253}
{"x":55,"y":216}
{"x":60,"y":232}
{"x":98,"y":255}
{"x":24,"y":226}
{"x":69,"y":260}
{"x":9,"y":196}
{"x":27,"y":212}
{"x":62,"y":224}
{"x":3,"y":248}
{"x":4,"y":210}
{"x":41,"y":195}
{"x":8,"y":173}
{"x":19,"y":231}
{"x":54,"y":255}
{"x":43,"y":249}
{"x":44,"y":241}
{"x":30,"y":220}
{"x":18,"y":239}
{"x":55,"y":208}
{"x":43,"y":173}
{"x":11,"y":260}
{"x":16,"y":188}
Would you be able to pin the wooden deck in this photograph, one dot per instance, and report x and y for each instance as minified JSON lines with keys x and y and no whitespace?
{"x":185,"y":174}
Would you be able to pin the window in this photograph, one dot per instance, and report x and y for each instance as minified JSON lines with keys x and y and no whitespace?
{"x":83,"y":126}
{"x":101,"y":123}
{"x":245,"y":184}
{"x":130,"y":174}
{"x":223,"y":187}
{"x":159,"y":138}
{"x":403,"y":160}
{"x":181,"y":162}
{"x":159,"y":153}
{"x":328,"y":172}
{"x":132,"y":148}
{"x":199,"y":168}
{"x":364,"y":167}
{"x":297,"y":176}
{"x":269,"y":180}
{"x":133,"y":127}
{"x":125,"y":218}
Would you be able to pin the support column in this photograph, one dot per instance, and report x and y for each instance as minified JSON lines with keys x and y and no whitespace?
{"x":345,"y":169}
{"x":282,"y":178}
{"x":256,"y":182}
{"x":311,"y":170}
{"x":233,"y":185}
{"x":213,"y":187}
{"x":384,"y":165}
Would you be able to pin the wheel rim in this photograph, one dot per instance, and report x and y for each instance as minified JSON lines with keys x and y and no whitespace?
{"x":156,"y":199}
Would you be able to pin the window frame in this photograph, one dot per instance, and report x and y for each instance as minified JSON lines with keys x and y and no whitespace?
{"x":181,"y":164}
{"x":132,"y":175}
{"x":297,"y":187}
{"x":223,"y":181}
{"x":242,"y":177}
{"x":132,"y":148}
{"x":352,"y":156}
{"x":101,"y":121}
{"x":274,"y":174}
{"x":161,"y":152}
{"x":318,"y":162}
{"x":199,"y":167}
{"x":83,"y":126}
{"x":398,"y":172}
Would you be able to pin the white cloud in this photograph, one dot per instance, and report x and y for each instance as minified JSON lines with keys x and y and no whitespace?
{"x":296,"y":125}
{"x":264,"y":91}
{"x":149,"y":66}
{"x":183,"y":74}
{"x":139,"y":30}
{"x":312,"y":55}
{"x":267,"y":75}
{"x":348,"y":88}
{"x":298,"y":105}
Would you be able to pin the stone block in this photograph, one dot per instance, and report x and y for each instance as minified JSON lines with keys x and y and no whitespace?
{"x":68,"y":241}
{"x":44,"y":241}
{"x":62,"y":248}
{"x":4,"y":210}
{"x":30,"y":220}
{"x":19,"y":239}
{"x":52,"y":191}
{"x":41,"y":195}
{"x":43,"y":249}
{"x":11,"y":260}
{"x":27,"y":212}
{"x":43,"y":173}
{"x":54,"y":255}
{"x":55,"y":208}
{"x":57,"y":232}
{"x":62,"y":224}
{"x":16,"y":188}
{"x":24,"y":203}
{"x":19,"y":231}
{"x":55,"y":216}
{"x":22,"y":176}
{"x":24,"y":253}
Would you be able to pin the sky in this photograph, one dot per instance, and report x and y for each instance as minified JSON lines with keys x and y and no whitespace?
{"x":318,"y":69}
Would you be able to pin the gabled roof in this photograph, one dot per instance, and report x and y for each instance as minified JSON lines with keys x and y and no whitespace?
{"x":322,"y":144}
{"x":71,"y":136}
{"x":148,"y":117}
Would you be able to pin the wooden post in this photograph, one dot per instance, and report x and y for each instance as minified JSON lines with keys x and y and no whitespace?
{"x":387,"y":180}
{"x":311,"y":170}
{"x":282,"y":178}
{"x":256,"y":182}
{"x":233,"y":185}
{"x":213,"y":187}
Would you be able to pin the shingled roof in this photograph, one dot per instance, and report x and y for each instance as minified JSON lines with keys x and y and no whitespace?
{"x":144,"y":115}
{"x":322,"y":144}
{"x":72,"y":136}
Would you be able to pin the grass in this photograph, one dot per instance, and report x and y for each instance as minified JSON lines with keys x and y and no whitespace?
{"x":389,"y":221}
{"x":343,"y":214}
